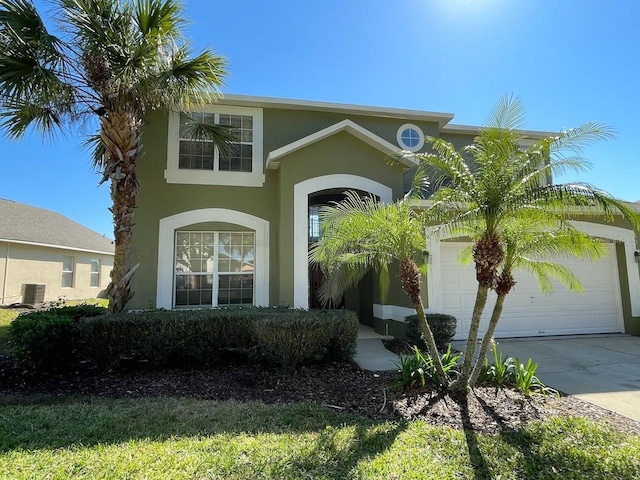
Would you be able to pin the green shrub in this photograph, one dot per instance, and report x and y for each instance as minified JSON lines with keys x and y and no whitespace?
{"x":512,"y":372}
{"x":280,"y":336}
{"x":48,"y":340}
{"x":442,"y":326}
{"x":43,"y":343}
{"x":415,"y":369}
{"x":299,"y":337}
{"x":162,"y":337}
{"x":78,"y":311}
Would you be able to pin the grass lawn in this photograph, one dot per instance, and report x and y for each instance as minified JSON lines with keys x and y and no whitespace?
{"x":187,"y":438}
{"x":6,"y":317}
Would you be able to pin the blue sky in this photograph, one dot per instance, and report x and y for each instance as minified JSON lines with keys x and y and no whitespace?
{"x":570,"y":62}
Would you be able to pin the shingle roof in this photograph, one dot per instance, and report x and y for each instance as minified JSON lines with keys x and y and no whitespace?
{"x":24,"y":223}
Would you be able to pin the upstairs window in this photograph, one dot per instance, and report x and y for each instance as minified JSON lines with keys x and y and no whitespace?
{"x":202,"y":154}
{"x":410,"y":137}
{"x":198,"y":161}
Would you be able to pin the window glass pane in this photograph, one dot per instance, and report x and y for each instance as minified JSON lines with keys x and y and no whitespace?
{"x":67,"y":280}
{"x":95,"y":265}
{"x":94,"y":280}
{"x":196,"y":253}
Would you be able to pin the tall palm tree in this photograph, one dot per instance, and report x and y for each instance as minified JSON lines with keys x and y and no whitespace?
{"x":114,"y":61}
{"x":534,"y":246}
{"x":497,"y":178}
{"x":359,"y":235}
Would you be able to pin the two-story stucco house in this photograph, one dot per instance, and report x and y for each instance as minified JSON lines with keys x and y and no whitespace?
{"x":213,"y":230}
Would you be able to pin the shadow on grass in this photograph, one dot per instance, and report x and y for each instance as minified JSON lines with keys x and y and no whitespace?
{"x":559,"y":449}
{"x":37,"y":422}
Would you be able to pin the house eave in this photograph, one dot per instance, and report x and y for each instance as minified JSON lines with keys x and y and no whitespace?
{"x":474,"y":130}
{"x":60,"y":247}
{"x":294,"y":104}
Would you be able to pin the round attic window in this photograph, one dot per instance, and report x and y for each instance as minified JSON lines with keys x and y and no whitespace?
{"x":410,"y":137}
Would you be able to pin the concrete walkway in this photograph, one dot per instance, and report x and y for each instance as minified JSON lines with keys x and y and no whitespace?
{"x":371,"y":353}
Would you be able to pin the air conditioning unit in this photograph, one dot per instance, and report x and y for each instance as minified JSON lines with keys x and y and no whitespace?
{"x":33,"y":294}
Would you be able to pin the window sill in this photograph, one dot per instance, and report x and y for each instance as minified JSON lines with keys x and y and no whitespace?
{"x":200,"y":177}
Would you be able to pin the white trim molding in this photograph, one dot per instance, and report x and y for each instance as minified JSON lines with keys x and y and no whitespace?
{"x":61,"y":247}
{"x":301,"y":192}
{"x":166,"y":255}
{"x":349,"y":126}
{"x":627,"y":238}
{"x":400,"y":140}
{"x":255,"y":178}
{"x":609,"y":232}
{"x":294,"y":104}
{"x":392,"y":312}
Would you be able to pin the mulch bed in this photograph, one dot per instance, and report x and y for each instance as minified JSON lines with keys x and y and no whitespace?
{"x":340,"y":387}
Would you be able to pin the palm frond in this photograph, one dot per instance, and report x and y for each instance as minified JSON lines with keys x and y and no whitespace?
{"x":545,"y":271}
{"x":223,"y":136}
{"x":508,"y":114}
{"x":362,"y":234}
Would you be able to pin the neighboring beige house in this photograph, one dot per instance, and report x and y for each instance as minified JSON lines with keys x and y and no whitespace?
{"x":44,"y":256}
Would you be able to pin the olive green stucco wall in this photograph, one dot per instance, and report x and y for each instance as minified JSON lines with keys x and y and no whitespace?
{"x":158,"y":199}
{"x":341,"y":153}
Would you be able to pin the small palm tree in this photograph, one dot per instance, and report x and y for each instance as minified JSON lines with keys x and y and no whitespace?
{"x":360,"y":235}
{"x":116,"y":61}
{"x":496,"y":179}
{"x":533,"y":246}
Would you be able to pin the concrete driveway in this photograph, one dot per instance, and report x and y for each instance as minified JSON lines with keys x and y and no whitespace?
{"x":604,"y":370}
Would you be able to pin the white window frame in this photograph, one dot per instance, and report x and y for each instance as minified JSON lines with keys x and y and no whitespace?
{"x":216,"y":273}
{"x":72,"y":271}
{"x":400,"y":140}
{"x":93,"y":274}
{"x":255,"y":178}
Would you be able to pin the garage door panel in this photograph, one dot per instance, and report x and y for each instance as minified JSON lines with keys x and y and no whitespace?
{"x":529,"y":312}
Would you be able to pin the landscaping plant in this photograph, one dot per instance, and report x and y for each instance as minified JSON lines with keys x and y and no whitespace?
{"x":359,"y":235}
{"x":497,"y":179}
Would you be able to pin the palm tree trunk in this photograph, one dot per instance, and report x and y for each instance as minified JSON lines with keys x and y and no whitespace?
{"x":410,"y":278}
{"x":121,"y":137}
{"x":427,"y":334}
{"x":486,"y":341}
{"x":461,"y":384}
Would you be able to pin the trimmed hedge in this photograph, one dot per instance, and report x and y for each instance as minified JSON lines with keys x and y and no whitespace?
{"x":292,"y":339}
{"x":442,"y":326}
{"x":280,"y":336}
{"x":47,"y":340}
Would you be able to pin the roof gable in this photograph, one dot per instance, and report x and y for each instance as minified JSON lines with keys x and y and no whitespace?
{"x":349,"y":126}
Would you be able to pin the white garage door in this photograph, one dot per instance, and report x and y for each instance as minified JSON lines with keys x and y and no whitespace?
{"x":527,"y":311}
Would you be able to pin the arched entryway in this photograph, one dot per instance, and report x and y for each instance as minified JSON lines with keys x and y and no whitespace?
{"x":305,"y":190}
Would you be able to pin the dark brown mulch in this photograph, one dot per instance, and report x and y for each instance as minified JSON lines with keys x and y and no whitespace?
{"x":340,"y":387}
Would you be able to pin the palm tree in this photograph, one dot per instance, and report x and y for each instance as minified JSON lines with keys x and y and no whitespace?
{"x":496,"y":179}
{"x":359,"y":235}
{"x":115,"y":61}
{"x":528,"y":245}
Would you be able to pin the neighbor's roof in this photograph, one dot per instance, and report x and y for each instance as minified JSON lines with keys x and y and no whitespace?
{"x":20,"y":223}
